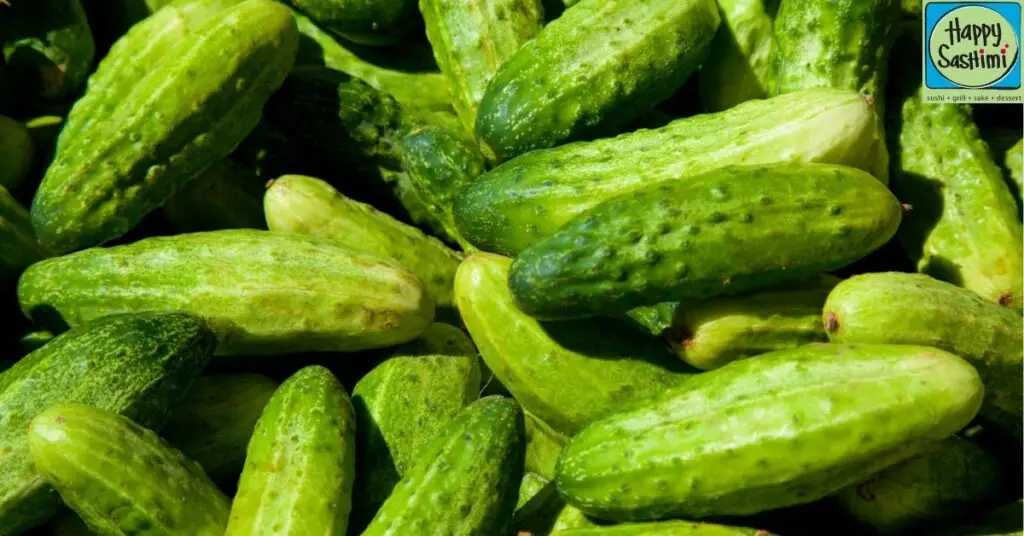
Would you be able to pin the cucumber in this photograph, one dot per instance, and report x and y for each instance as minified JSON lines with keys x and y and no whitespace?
{"x":33,"y":341}
{"x":43,"y":130}
{"x":1002,"y":521}
{"x":531,"y":197}
{"x":598,"y":66}
{"x":225,"y":196}
{"x":938,"y":485}
{"x":226,"y":67}
{"x":606,"y":363}
{"x":441,"y":163}
{"x":51,"y":43}
{"x":465,"y":481}
{"x":264,"y":293}
{"x":402,"y":405}
{"x":898,"y":308}
{"x":1014,"y":160}
{"x":664,"y":528}
{"x":18,"y":245}
{"x":121,"y":478}
{"x":16,"y":152}
{"x":215,"y":421}
{"x":543,"y":445}
{"x":710,"y":334}
{"x":729,"y":231}
{"x":965,"y":225}
{"x":471,"y":40}
{"x":738,"y":67}
{"x":541,"y":511}
{"x":787,"y":428}
{"x":137,"y":365}
{"x":368,"y":22}
{"x":440,"y":339}
{"x":306,"y":205}
{"x":301,"y":462}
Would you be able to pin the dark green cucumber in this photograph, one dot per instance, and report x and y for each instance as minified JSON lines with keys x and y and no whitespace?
{"x":402,"y":405}
{"x":606,"y":364}
{"x":121,"y":478}
{"x":598,"y":66}
{"x":738,"y":67}
{"x":965,"y":226}
{"x":50,"y":42}
{"x":16,"y":152}
{"x":215,"y":421}
{"x":114,"y":163}
{"x":18,"y":245}
{"x":787,"y":428}
{"x":664,"y":528}
{"x":225,"y":196}
{"x":711,"y":333}
{"x":137,"y":365}
{"x":941,"y":484}
{"x":1014,"y":162}
{"x":1003,"y":521}
{"x":369,"y":22}
{"x":299,"y":204}
{"x":529,"y":198}
{"x":898,"y":308}
{"x":263,"y":292}
{"x":44,"y":130}
{"x":729,"y":231}
{"x":543,"y":445}
{"x":472,"y":39}
{"x":466,"y":481}
{"x":301,"y":462}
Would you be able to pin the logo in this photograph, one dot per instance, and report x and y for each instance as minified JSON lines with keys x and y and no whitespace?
{"x":973,"y":46}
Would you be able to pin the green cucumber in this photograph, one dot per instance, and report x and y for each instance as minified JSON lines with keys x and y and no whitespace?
{"x":225,"y":196}
{"x":1014,"y":161}
{"x":898,"y":308}
{"x":712,"y":333}
{"x":215,"y":421}
{"x":44,"y":130}
{"x":263,"y":292}
{"x":607,"y":364}
{"x":911,"y":9}
{"x":738,"y":67}
{"x":306,"y":205}
{"x":728,"y":231}
{"x":50,"y":41}
{"x":121,"y":478}
{"x":301,"y":462}
{"x":18,"y":245}
{"x":938,"y":485}
{"x":32,"y":341}
{"x":1003,"y":521}
{"x":541,"y":511}
{"x":664,"y":528}
{"x":138,"y":365}
{"x":472,"y":39}
{"x":965,"y":226}
{"x":368,"y":22}
{"x":529,"y":198}
{"x":598,"y":66}
{"x":402,"y":405}
{"x":466,"y":481}
{"x":543,"y":445}
{"x":787,"y":428}
{"x":16,"y":152}
{"x":114,"y":163}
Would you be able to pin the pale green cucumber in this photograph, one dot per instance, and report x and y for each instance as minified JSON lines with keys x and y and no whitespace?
{"x":739,"y":64}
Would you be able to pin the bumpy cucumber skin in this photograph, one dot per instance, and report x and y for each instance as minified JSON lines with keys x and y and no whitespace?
{"x":739,"y":64}
{"x":543,"y":445}
{"x":125,"y":150}
{"x":729,"y":231}
{"x":471,"y":40}
{"x":263,"y":292}
{"x":942,"y":483}
{"x":466,"y":481}
{"x":225,"y":196}
{"x":16,"y":152}
{"x":710,"y":334}
{"x":440,"y":339}
{"x":51,"y":42}
{"x":898,"y":308}
{"x":401,"y":406}
{"x":599,"y":65}
{"x":301,"y":462}
{"x":138,"y":365}
{"x":121,"y":478}
{"x":529,"y":198}
{"x":965,"y":225}
{"x":368,"y":22}
{"x":306,"y":205}
{"x":607,"y":364}
{"x":215,"y":421}
{"x":800,"y":424}
{"x":18,"y":245}
{"x":1014,"y":160}
{"x":664,"y":528}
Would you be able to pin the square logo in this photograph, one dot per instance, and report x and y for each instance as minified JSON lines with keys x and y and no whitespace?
{"x":972,"y":51}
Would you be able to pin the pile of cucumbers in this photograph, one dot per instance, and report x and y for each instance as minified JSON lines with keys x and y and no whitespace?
{"x":502,"y":267}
